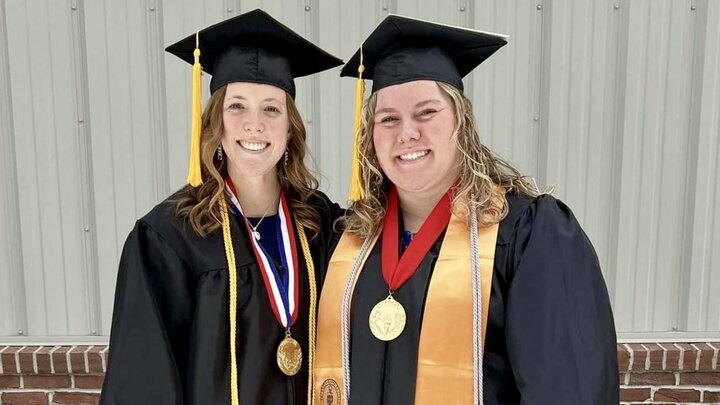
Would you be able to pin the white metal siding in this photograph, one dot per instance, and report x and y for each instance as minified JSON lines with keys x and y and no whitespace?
{"x":616,"y":103}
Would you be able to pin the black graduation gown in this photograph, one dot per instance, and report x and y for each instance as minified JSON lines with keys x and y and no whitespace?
{"x":170,"y":331}
{"x":550,"y":334}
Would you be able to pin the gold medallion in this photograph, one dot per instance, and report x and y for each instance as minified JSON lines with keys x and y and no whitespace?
{"x":289,"y":355}
{"x":387,"y":319}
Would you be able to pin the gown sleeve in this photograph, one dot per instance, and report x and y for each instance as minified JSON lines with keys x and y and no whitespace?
{"x":560,"y":331}
{"x":150,"y":325}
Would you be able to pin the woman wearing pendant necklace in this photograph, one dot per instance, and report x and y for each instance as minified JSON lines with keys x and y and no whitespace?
{"x":455,"y":281}
{"x":216,"y":292}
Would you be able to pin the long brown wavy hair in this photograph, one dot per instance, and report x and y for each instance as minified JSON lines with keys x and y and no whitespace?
{"x":481,"y":185}
{"x":201,"y":205}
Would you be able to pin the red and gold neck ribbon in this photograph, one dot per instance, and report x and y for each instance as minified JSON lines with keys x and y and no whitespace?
{"x":396,"y":271}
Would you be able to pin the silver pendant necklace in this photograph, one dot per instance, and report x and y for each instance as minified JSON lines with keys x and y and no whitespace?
{"x":255,"y":232}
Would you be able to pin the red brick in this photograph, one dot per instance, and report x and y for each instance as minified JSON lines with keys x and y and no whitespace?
{"x":639,"y":355}
{"x":9,"y":381}
{"x":706,"y":356}
{"x":24,"y":398}
{"x":634,"y":394}
{"x":672,"y":357}
{"x":47,"y":381}
{"x":75,"y":398}
{"x":652,"y":379}
{"x":711,"y":397}
{"x":42,"y":357}
{"x":656,"y":356}
{"x":59,"y":360}
{"x":26,"y":360}
{"x":8,"y":360}
{"x":95,"y":360}
{"x":89,"y":382}
{"x":690,"y":354}
{"x":77,"y":359}
{"x":716,"y":349}
{"x":623,"y":358}
{"x":700,"y":378}
{"x":677,"y":395}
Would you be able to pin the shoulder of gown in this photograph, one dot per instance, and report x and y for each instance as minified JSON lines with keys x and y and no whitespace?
{"x":560,"y":331}
{"x":201,"y":254}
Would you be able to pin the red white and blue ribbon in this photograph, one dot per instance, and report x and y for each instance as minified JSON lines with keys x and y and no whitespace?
{"x":283,"y":289}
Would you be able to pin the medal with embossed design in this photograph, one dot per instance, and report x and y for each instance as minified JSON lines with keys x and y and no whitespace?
{"x":282,"y":286}
{"x":387,"y":318}
{"x":289,"y":355}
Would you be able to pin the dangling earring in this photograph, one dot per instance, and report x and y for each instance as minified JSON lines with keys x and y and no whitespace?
{"x":287,"y":156}
{"x":219,"y":153}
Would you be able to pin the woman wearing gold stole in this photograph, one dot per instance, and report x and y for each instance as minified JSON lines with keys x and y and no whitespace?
{"x":216,"y":292}
{"x":455,"y":282}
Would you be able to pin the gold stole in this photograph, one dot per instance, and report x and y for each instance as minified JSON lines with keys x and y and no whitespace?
{"x":445,"y":355}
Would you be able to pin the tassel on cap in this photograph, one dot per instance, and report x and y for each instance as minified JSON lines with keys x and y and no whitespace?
{"x":356,"y":189}
{"x":194,"y":173}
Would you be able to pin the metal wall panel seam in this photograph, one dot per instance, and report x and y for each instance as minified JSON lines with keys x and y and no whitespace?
{"x":659,"y":268}
{"x":311,"y":115}
{"x":49,"y":297}
{"x":622,"y":16}
{"x":131,"y":93}
{"x":12,"y":244}
{"x":699,"y":22}
{"x":642,"y":140}
{"x":467,"y":19}
{"x":706,"y":241}
{"x":158,"y":107}
{"x":634,"y":194}
{"x":692,"y":174}
{"x":541,"y":88}
{"x":84,"y":142}
{"x":34,"y":191}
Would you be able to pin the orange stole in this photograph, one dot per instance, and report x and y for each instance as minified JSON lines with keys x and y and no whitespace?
{"x":445,"y":355}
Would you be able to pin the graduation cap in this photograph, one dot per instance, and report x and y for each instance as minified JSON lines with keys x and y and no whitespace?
{"x":251,"y":47}
{"x":403,"y":49}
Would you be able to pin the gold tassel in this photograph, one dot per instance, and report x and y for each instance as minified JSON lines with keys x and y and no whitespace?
{"x":194,"y":173}
{"x":356,"y":189}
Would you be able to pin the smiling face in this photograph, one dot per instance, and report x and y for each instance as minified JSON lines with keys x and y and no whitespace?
{"x":255,"y":128}
{"x":413,"y":130}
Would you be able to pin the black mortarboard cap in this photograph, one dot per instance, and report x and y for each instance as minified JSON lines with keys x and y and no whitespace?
{"x":254,"y":47}
{"x":403,"y":49}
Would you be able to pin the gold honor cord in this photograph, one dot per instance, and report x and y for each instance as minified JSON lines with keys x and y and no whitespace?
{"x":313,"y":307}
{"x":232,"y":276}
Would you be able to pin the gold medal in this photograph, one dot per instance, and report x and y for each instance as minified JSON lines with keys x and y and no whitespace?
{"x":289,"y":355}
{"x":387,"y":319}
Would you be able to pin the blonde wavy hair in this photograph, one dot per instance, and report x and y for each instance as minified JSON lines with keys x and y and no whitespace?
{"x":201,"y":205}
{"x":483,"y":179}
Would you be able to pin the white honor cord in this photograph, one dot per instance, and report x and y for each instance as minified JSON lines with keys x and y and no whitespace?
{"x":345,"y":319}
{"x":477,"y":312}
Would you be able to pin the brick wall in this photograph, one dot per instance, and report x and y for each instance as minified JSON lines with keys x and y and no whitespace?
{"x":673,"y":373}
{"x":55,"y":375}
{"x":650,"y":373}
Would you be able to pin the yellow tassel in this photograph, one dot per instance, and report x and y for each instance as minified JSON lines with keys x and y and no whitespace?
{"x":356,"y":189}
{"x":194,"y":174}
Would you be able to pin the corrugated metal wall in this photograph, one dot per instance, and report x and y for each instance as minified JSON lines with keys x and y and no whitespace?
{"x":614,"y":102}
